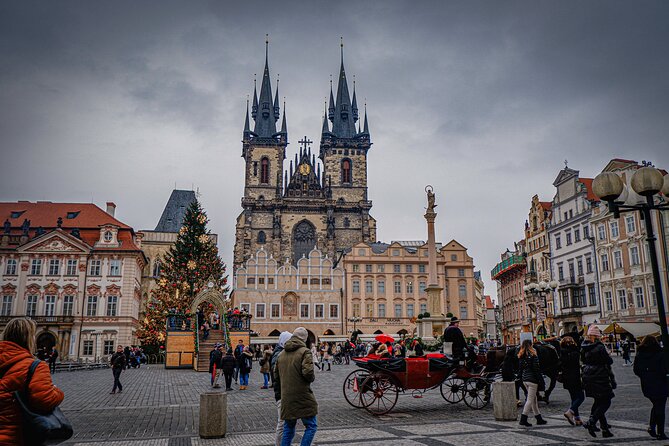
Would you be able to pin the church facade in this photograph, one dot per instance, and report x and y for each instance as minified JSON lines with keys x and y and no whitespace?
{"x":317,"y":201}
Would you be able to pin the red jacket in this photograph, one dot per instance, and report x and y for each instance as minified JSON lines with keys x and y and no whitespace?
{"x":44,"y":396}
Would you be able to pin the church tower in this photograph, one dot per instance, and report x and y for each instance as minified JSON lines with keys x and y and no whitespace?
{"x":343,"y":150}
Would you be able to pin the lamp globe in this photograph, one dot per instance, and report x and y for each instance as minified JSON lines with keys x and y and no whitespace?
{"x":665,"y":186}
{"x":608,"y":186}
{"x":647,"y":181}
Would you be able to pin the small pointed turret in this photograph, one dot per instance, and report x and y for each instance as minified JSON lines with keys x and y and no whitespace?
{"x":284,"y":128}
{"x":366,"y":127}
{"x":276,"y":100}
{"x":247,"y":128}
{"x":254,"y":110}
{"x":354,"y":105}
{"x":326,"y":127}
{"x":285,"y":180}
{"x":331,"y":108}
{"x":291,"y":173}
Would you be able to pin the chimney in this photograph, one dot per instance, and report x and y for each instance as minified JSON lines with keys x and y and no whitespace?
{"x":111,"y":208}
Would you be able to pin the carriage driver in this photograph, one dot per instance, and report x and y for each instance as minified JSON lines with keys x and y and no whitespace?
{"x":454,"y":334}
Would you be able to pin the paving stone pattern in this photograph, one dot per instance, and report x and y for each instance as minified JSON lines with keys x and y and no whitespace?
{"x":160,"y":408}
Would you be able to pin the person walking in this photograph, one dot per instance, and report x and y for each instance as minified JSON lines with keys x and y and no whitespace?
{"x":530,"y":374}
{"x":316,"y":354}
{"x":215,"y":356}
{"x":598,"y":381}
{"x":238,"y":354}
{"x":294,"y":373}
{"x":52,"y":359}
{"x":228,"y":363}
{"x":278,"y":433}
{"x":650,"y":367}
{"x":16,"y":357}
{"x":118,"y":363}
{"x":570,"y":365}
{"x":265,"y":365}
{"x":627,"y":347}
{"x":326,"y":354}
{"x":245,"y":365}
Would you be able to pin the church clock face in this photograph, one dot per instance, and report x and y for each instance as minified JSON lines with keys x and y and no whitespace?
{"x":305,"y":169}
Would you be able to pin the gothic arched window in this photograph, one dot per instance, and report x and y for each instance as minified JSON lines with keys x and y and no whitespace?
{"x":346,"y":168}
{"x":156,"y":269}
{"x":264,"y":170}
{"x":262,"y":238}
{"x":304,"y":240}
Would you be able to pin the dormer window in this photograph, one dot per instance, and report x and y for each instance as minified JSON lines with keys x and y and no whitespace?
{"x":16,"y":214}
{"x":72,"y":215}
{"x":108,"y":236}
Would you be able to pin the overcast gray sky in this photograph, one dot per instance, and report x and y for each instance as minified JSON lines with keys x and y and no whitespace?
{"x":122,"y":100}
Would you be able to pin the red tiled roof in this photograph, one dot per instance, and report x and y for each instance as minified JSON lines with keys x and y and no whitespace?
{"x":547,"y":205}
{"x":489,"y":303}
{"x":587,"y":182}
{"x":46,"y":213}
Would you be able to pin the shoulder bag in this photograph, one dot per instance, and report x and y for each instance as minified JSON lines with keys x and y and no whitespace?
{"x":39,"y":429}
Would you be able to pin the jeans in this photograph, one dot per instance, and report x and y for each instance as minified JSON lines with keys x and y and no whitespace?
{"x":278,"y":434}
{"x":310,"y":428}
{"x":577,"y":397}
{"x":266,"y":378}
{"x":531,"y":404}
{"x":657,"y":414}
{"x":598,"y":411}
{"x":243,"y":379}
{"x":117,"y":382}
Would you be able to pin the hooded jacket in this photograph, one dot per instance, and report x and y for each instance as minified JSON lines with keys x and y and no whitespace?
{"x":570,"y":365}
{"x":283,"y":338}
{"x":43,"y":395}
{"x":598,"y":379}
{"x":650,"y":367}
{"x":294,"y":372}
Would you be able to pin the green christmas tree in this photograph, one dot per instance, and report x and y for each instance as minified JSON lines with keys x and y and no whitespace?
{"x":190,"y":265}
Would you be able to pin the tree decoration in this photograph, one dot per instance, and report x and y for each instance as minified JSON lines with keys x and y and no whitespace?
{"x":190,"y":264}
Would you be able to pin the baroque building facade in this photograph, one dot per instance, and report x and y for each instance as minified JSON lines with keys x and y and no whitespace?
{"x":572,"y":249}
{"x":76,"y":271}
{"x":625,"y":277}
{"x":510,"y":276}
{"x":385,"y":286}
{"x":320,"y":200}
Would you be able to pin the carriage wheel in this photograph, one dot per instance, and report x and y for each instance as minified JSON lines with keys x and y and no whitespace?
{"x":354,"y":391}
{"x":477,"y":393}
{"x":383,"y":394}
{"x":451,"y":389}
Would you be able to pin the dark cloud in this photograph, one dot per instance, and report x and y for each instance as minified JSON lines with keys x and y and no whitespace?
{"x":484,"y":100}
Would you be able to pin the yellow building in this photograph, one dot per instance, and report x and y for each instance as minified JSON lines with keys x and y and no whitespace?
{"x":385,"y":286}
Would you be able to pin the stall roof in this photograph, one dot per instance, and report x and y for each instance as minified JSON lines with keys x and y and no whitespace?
{"x":636,"y":329}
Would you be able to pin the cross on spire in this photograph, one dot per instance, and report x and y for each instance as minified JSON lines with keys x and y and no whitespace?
{"x":565,"y":163}
{"x":305,"y":142}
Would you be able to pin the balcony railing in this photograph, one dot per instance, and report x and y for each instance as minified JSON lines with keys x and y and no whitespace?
{"x":44,"y":320}
{"x":507,"y":265}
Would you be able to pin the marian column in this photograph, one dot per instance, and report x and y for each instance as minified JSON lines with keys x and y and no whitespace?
{"x":433,"y":289}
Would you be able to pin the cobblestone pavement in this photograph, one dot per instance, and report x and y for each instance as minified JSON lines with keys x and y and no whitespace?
{"x":160,"y":407}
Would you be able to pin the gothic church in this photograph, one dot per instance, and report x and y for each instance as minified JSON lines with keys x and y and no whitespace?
{"x":317,"y":202}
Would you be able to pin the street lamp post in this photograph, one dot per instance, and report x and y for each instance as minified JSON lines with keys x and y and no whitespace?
{"x":647,"y":182}
{"x":539,"y":290}
{"x":355,"y":320}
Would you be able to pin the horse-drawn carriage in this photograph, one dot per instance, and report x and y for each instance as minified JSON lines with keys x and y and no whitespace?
{"x":376,"y":384}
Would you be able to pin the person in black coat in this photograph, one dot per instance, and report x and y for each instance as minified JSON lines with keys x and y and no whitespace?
{"x":598,"y":381}
{"x":570,"y":367}
{"x":215,"y":356}
{"x":649,"y":365}
{"x":454,"y":335}
{"x":228,"y":364}
{"x":530,"y":374}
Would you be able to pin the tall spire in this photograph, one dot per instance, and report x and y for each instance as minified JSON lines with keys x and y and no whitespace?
{"x":365,"y":129}
{"x":343,"y":125}
{"x":331,"y":108}
{"x":266,"y":120}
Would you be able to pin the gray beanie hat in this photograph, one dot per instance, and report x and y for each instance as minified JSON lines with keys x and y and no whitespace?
{"x":301,"y":333}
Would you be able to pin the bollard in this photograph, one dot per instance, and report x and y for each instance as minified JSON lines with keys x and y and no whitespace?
{"x":504,"y":401}
{"x":213,"y":414}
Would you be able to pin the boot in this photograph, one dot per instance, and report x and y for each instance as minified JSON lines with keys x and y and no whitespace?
{"x":662,"y":436}
{"x":523,"y":421}
{"x":606,"y":432}
{"x":578,"y":421}
{"x":590,"y":426}
{"x":329,"y":367}
{"x":540,"y":421}
{"x":651,"y":431}
{"x":569,"y":415}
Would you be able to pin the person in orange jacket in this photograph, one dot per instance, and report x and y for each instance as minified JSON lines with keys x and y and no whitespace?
{"x":16,"y":356}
